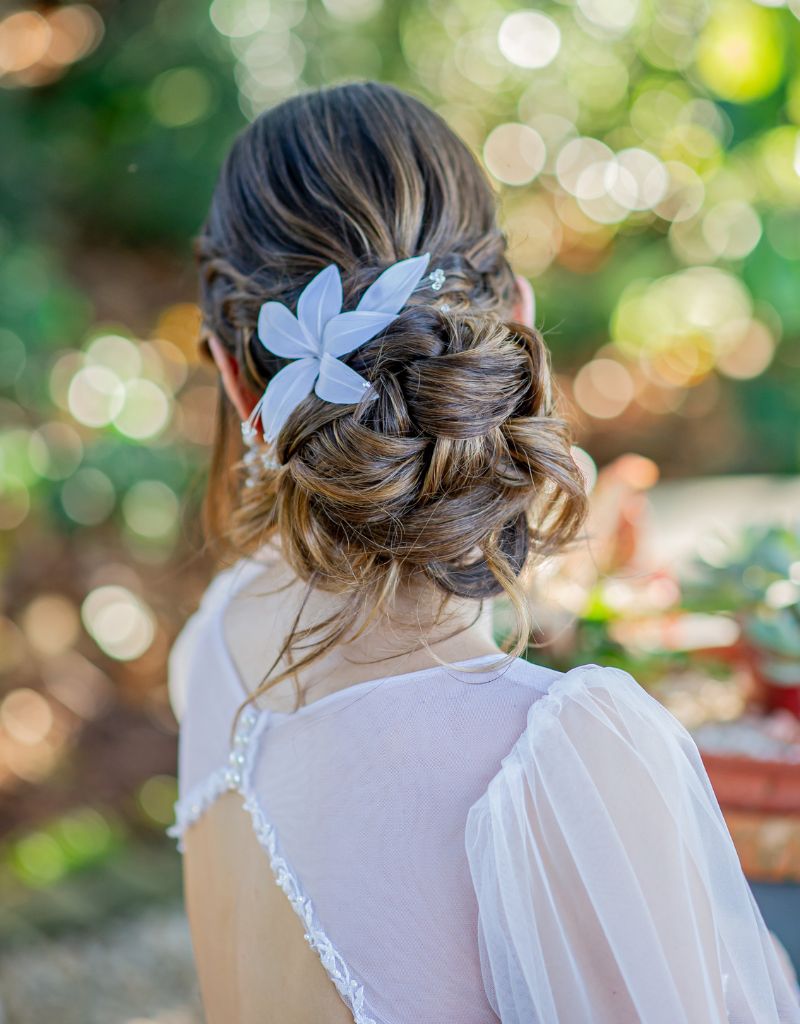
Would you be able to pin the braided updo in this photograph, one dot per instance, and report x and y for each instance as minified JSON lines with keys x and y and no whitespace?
{"x":460,"y":472}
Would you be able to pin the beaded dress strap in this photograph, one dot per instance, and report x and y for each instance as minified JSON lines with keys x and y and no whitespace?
{"x":233,"y":775}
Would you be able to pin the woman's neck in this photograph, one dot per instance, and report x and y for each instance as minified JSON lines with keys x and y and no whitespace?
{"x":404,"y":637}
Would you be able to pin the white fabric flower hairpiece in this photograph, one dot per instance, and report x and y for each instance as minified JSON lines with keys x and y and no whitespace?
{"x":320,"y":333}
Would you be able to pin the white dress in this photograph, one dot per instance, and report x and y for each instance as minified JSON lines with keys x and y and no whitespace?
{"x":518,"y":845}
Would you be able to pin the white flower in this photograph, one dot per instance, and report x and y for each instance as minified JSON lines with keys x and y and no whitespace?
{"x":321,"y":333}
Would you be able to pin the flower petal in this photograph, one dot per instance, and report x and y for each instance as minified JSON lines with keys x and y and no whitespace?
{"x":280,"y":331}
{"x":284,"y":393}
{"x":320,"y":301}
{"x":348,"y":331}
{"x":389,"y":292}
{"x":339,"y":383}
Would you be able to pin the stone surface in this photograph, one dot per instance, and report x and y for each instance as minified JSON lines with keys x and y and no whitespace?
{"x":135,"y":971}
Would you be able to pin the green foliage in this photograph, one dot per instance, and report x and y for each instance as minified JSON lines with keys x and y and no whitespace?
{"x":758,"y":579}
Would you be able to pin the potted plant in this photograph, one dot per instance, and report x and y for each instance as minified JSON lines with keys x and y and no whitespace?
{"x":756,"y":579}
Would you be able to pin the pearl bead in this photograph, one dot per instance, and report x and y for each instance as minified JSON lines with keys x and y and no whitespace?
{"x":437,"y":278}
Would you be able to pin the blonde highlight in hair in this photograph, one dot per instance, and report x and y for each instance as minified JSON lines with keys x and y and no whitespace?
{"x":460,"y":473}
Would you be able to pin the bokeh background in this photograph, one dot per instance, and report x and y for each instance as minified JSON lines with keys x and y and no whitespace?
{"x":647,"y":159}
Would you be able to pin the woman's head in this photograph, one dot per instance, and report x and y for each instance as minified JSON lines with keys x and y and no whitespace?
{"x":460,"y":470}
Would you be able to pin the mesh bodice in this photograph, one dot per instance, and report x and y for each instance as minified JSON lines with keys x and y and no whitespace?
{"x":518,"y":844}
{"x":361,"y":800}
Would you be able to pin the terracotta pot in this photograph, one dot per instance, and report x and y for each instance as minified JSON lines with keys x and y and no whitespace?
{"x":764,"y":693}
{"x":747,"y":784}
{"x":787,"y":697}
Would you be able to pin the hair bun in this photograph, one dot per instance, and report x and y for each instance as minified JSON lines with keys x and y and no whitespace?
{"x":460,"y":469}
{"x":446,"y":470}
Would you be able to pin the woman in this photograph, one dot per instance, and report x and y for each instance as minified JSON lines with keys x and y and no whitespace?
{"x":457,"y":834}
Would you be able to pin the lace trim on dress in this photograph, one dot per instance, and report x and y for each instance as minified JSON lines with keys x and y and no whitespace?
{"x":332,"y":960}
{"x":236,"y":776}
{"x":192,"y":806}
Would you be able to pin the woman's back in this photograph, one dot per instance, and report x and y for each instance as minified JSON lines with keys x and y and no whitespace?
{"x":359,"y":800}
{"x":522,"y":845}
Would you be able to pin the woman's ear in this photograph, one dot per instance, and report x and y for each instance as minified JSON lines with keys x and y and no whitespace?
{"x":525,"y":305}
{"x":237,"y":391}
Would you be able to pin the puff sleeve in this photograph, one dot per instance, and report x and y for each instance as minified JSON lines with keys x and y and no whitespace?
{"x":609,"y":890}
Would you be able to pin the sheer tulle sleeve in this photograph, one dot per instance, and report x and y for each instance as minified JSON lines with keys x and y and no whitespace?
{"x":608,"y":886}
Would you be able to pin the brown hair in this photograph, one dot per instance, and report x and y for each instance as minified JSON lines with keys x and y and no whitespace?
{"x":460,"y":472}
